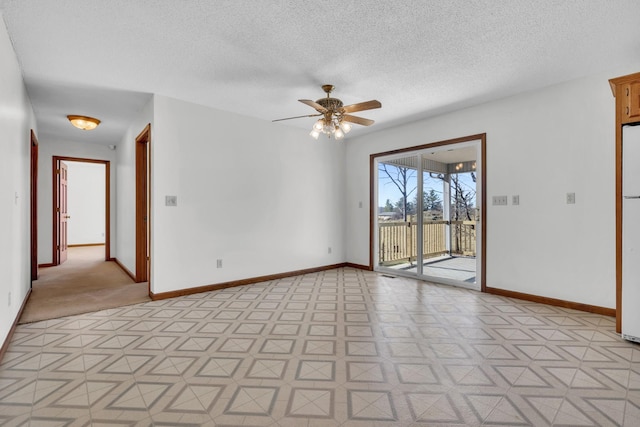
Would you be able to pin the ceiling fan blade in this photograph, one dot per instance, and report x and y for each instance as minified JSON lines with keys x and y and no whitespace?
{"x":313,"y":104}
{"x":297,"y":117}
{"x":361,"y":106}
{"x":357,"y":120}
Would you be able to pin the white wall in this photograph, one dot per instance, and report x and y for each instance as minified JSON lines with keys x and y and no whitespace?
{"x":126,"y":183}
{"x":263,"y":197}
{"x":540,"y":145}
{"x":85,"y":203}
{"x":16,"y":120}
{"x":83,"y":150}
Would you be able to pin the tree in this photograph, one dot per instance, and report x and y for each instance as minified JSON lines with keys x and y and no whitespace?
{"x":405,"y":208}
{"x":431,"y":201}
{"x":388,"y":206}
{"x":401,"y":177}
{"x":462,"y":198}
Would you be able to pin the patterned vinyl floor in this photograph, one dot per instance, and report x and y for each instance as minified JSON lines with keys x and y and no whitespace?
{"x":337,"y":348}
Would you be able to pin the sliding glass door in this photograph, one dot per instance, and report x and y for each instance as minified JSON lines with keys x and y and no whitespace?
{"x":397,"y":189}
{"x":428,"y":216}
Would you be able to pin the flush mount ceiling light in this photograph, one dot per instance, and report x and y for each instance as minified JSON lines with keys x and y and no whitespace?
{"x":336,"y":120}
{"x":84,"y":122}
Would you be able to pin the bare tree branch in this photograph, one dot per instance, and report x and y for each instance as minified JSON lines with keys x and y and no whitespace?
{"x":401,"y":180}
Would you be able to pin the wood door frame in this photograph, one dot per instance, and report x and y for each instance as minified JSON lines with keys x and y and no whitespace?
{"x":55,"y":259}
{"x":33,"y":148}
{"x":373,"y":206}
{"x":143,"y":203}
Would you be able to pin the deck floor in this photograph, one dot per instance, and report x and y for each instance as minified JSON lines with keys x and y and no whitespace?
{"x":458,"y":268}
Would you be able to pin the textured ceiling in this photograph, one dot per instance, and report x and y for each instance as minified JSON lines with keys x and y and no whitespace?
{"x":419,"y":58}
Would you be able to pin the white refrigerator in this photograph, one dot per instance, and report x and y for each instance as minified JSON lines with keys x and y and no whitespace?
{"x":631,"y":233}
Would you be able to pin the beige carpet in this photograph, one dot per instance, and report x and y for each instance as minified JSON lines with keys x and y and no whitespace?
{"x":83,"y":284}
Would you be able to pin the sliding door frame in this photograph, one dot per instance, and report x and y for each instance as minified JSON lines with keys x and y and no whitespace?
{"x":373,"y":208}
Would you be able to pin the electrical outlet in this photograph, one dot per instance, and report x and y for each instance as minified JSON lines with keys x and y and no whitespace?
{"x":571,"y":198}
{"x":360,"y":205}
{"x":171,"y":200}
{"x":499,"y":200}
{"x":515,"y":200}
{"x":329,"y":250}
{"x":219,"y":263}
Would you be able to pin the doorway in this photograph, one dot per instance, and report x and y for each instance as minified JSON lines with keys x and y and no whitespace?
{"x":429,"y":212}
{"x":61,"y":214}
{"x":90,"y":280}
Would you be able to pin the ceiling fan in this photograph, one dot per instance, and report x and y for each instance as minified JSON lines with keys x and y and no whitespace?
{"x":335,"y":117}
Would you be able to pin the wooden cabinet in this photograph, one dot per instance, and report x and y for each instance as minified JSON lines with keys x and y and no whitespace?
{"x":626,"y":89}
{"x":632,"y":92}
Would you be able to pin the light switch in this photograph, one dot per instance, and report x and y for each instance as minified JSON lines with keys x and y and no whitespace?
{"x":571,"y":198}
{"x":499,"y":200}
{"x":171,"y":200}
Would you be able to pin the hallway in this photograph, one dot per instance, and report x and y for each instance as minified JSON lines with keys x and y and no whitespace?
{"x":83,"y":284}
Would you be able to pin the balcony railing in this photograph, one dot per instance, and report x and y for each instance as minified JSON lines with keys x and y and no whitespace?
{"x":398,"y":240}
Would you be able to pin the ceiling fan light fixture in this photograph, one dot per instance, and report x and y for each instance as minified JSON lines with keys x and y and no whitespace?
{"x":346,"y":127}
{"x":335,"y":118}
{"x":332,"y":126}
{"x":84,"y":122}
